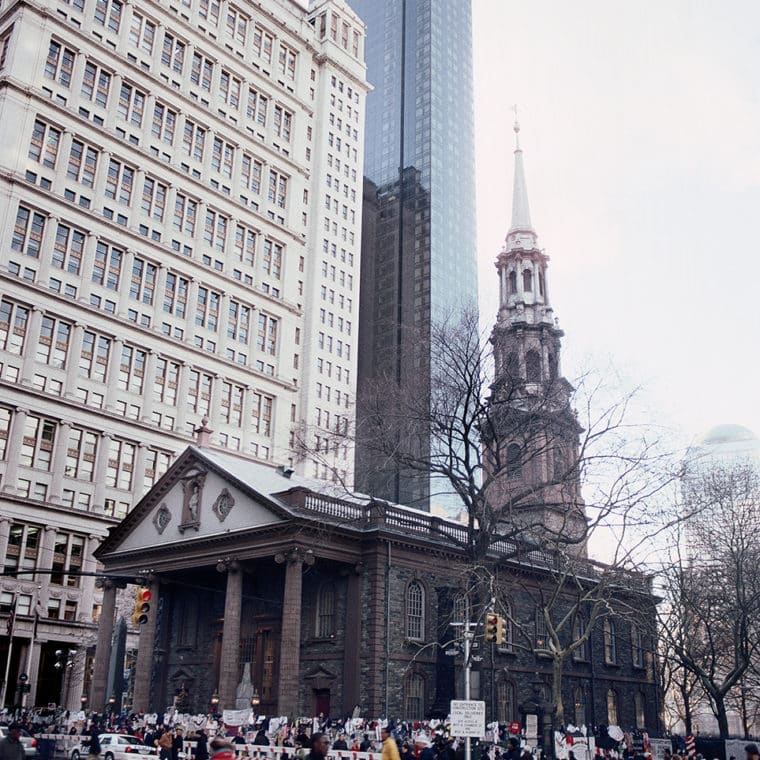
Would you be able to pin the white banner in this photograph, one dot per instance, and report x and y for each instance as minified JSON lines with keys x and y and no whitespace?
{"x":236,"y":717}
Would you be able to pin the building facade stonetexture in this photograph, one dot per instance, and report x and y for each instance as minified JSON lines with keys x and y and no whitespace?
{"x":180,"y":196}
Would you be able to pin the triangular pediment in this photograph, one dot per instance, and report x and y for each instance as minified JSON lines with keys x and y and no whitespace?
{"x":196,"y":500}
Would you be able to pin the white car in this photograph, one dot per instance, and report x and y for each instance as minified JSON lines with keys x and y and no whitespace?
{"x":27,"y":740}
{"x":114,"y":747}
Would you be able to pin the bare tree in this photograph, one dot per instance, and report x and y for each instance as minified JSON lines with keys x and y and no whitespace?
{"x":712,"y":585}
{"x":515,"y":451}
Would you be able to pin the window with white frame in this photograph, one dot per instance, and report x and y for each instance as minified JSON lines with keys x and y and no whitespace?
{"x":325,"y":618}
{"x":53,"y":343}
{"x":83,"y":163}
{"x":38,"y":442}
{"x":121,"y":459}
{"x":59,"y":64}
{"x":415,"y":611}
{"x":44,"y":144}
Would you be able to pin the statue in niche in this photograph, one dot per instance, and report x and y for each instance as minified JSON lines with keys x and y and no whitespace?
{"x":182,"y":700}
{"x":244,"y":690}
{"x":192,"y":488}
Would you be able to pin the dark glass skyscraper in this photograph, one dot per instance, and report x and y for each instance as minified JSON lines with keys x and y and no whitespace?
{"x":418,"y":234}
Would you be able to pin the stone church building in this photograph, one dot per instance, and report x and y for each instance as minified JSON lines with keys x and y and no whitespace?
{"x":270,"y":583}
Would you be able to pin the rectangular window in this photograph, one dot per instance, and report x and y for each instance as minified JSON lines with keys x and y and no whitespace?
{"x":22,"y":552}
{"x":154,"y":198}
{"x":68,"y":249}
{"x":250,"y":176}
{"x":44,"y":145}
{"x":80,"y":454}
{"x":38,"y":442}
{"x":108,"y":13}
{"x":93,"y":361}
{"x":5,"y":430}
{"x":215,"y":230}
{"x":287,"y":62}
{"x":131,"y":104}
{"x":262,"y":44}
{"x":238,"y":323}
{"x":245,"y":244}
{"x":199,"y":392}
{"x":5,"y":43}
{"x":27,"y":232}
{"x":53,"y":345}
{"x":222,"y":157}
{"x":95,"y":84}
{"x":156,"y":464}
{"x":193,"y":140}
{"x":142,"y":33}
{"x":185,"y":213}
{"x":164,"y":123}
{"x":143,"y":281}
{"x":175,"y":295}
{"x":209,"y":10}
{"x":271,"y":262}
{"x":131,"y":369}
{"x":83,"y":162}
{"x":256,"y":108}
{"x":229,"y":87}
{"x":278,"y":188}
{"x":237,"y":24}
{"x":121,"y":458}
{"x":232,"y":403}
{"x":262,"y":414}
{"x":266,"y":337}
{"x":106,"y":269}
{"x":207,"y":309}
{"x":166,"y":381}
{"x":119,"y":182}
{"x":173,"y":53}
{"x":202,"y":72}
{"x":59,"y":64}
{"x":283,"y":120}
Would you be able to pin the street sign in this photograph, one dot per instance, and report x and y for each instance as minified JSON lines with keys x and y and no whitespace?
{"x":451,"y":652}
{"x":468,"y":718}
{"x":531,"y":726}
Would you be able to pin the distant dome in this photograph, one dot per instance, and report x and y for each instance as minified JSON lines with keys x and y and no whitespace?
{"x":728,"y":434}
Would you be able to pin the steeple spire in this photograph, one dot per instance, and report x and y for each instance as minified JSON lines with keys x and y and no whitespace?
{"x":521,"y":233}
{"x":520,"y":206}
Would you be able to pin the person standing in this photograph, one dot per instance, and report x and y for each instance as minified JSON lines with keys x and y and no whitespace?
{"x":165,"y":744}
{"x":177,"y":743}
{"x":390,"y":748}
{"x":319,"y":746}
{"x":11,"y":747}
{"x":93,"y":748}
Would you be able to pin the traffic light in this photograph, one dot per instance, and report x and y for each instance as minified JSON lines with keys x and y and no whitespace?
{"x":142,"y":606}
{"x":492,"y":626}
{"x":501,"y":631}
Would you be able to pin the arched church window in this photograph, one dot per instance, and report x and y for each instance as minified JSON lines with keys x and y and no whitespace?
{"x":579,"y":628}
{"x":533,"y":367}
{"x":414,"y":697}
{"x":559,"y":463}
{"x":640,"y":705}
{"x":610,"y":642}
{"x":513,"y":282}
{"x":505,"y":701}
{"x":527,"y":280}
{"x":514,"y":461}
{"x":579,"y":702}
{"x":612,"y":707}
{"x":541,"y":283}
{"x":326,"y":611}
{"x":415,"y":611}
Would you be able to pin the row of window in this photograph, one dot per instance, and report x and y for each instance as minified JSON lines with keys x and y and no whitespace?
{"x":120,"y":178}
{"x":416,"y":630}
{"x":41,"y":437}
{"x":57,"y":609}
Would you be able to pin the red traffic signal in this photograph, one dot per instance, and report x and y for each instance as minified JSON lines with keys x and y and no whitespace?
{"x":142,"y":606}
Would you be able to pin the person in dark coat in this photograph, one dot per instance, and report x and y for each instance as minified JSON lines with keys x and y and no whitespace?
{"x":201,"y":744}
{"x":177,"y":743}
{"x":340,"y":743}
{"x":319,"y":746}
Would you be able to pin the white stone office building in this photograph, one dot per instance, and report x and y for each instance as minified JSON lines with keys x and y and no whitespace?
{"x":180,"y":204}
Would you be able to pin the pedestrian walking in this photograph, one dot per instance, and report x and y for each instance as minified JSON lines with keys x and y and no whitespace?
{"x":390,"y":748}
{"x":11,"y":747}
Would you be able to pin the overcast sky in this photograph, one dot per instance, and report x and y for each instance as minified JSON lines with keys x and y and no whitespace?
{"x":641,"y":132}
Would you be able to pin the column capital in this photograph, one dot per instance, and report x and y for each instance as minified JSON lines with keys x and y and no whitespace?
{"x":295,"y":555}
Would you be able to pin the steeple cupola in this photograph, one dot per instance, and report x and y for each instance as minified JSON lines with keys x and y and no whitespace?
{"x":522,"y":266}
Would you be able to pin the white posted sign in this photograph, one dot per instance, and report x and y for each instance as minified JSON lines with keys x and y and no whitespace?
{"x":468,"y":718}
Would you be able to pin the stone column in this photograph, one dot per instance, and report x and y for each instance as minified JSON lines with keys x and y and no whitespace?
{"x":144,"y":664}
{"x":45,"y":561}
{"x":229,"y":671}
{"x":352,"y":645}
{"x":59,"y":462}
{"x":15,"y":441}
{"x":290,"y":636}
{"x":33,"y":671}
{"x":138,"y":472}
{"x":30,"y":346}
{"x":103,"y":649}
{"x":5,"y":530}
{"x":148,"y":402}
{"x":101,"y":470}
{"x":114,"y":364}
{"x":72,"y":362}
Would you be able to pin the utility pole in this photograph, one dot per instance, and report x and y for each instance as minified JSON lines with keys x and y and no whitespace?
{"x":11,"y":626}
{"x":468,"y":636}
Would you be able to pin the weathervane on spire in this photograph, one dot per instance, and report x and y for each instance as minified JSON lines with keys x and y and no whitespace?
{"x":516,"y":128}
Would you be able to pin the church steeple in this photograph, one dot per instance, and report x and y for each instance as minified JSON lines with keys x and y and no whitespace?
{"x":533,"y":443}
